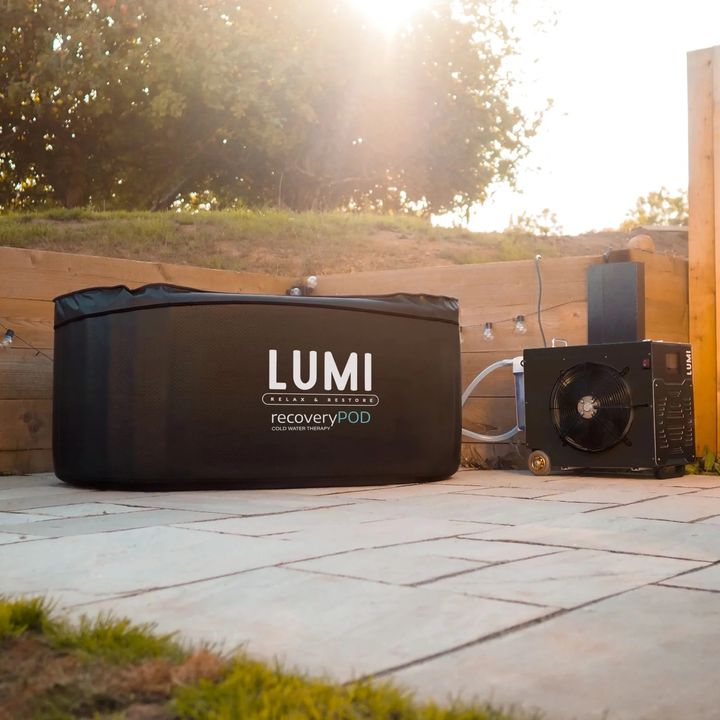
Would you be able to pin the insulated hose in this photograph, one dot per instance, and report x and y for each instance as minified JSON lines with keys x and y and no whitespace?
{"x":519,"y":400}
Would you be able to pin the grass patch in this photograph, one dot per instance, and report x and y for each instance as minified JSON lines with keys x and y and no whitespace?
{"x":706,"y":464}
{"x":115,"y":640}
{"x":255,"y":690}
{"x":269,"y":240}
{"x":111,"y":668}
{"x":21,"y":616}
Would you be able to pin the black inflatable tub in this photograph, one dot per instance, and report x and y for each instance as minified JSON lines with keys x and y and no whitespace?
{"x":167,"y":386}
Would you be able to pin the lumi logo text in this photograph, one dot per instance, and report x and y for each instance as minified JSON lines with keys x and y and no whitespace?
{"x":333,"y":376}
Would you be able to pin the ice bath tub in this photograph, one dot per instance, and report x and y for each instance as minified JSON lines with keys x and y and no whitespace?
{"x":176,"y":387}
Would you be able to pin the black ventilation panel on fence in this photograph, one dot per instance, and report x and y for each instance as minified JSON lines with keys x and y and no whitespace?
{"x":616,"y":302}
{"x":176,"y":387}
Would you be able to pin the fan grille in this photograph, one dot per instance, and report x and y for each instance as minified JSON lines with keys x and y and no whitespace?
{"x":591,"y":407}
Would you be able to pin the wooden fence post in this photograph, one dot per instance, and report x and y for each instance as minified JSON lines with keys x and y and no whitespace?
{"x":704,"y":239}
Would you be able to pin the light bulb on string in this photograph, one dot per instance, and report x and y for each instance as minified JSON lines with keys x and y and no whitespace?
{"x":7,"y":338}
{"x":488,"y":333}
{"x":311,"y":281}
{"x":294,"y":291}
{"x":520,"y":326}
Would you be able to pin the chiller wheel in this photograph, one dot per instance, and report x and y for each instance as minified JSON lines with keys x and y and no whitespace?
{"x":539,"y":463}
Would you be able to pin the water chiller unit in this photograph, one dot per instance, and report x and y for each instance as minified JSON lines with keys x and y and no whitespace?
{"x":620,"y":406}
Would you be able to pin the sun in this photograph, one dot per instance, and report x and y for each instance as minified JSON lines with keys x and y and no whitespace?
{"x":391,"y":15}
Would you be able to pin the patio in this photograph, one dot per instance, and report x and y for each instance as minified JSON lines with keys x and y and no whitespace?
{"x":575,"y":596}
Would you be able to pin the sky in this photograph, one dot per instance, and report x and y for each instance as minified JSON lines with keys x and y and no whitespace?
{"x":616,"y":72}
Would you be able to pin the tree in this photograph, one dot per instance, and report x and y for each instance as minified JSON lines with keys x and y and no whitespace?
{"x":128,"y":104}
{"x":544,"y":224}
{"x":658,"y":208}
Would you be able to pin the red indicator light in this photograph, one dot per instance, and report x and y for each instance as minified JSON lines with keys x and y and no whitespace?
{"x":646,"y":363}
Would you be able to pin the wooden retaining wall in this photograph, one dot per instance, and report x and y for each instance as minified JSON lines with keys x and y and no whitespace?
{"x":494,"y":292}
{"x":29,"y":280}
{"x":497,"y":293}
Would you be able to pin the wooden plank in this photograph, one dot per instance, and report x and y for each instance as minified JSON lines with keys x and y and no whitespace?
{"x":567,"y":321}
{"x":24,"y":375}
{"x":701,"y":247}
{"x":25,"y":462}
{"x":489,"y":416}
{"x":499,"y":284}
{"x":500,"y":383}
{"x":716,"y":233}
{"x":665,"y":275}
{"x":42,"y":275}
{"x":666,"y":321}
{"x":32,"y":320}
{"x":25,"y":424}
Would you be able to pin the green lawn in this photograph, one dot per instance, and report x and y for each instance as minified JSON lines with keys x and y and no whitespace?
{"x":51,"y":669}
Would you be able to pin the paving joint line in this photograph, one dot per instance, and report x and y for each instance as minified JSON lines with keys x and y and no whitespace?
{"x":614,"y":506}
{"x":597,"y":549}
{"x":686,"y":587}
{"x":420,"y":583}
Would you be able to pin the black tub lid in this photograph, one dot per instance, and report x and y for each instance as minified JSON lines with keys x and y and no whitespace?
{"x":93,"y":302}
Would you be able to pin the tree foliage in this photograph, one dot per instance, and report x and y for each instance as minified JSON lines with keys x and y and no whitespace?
{"x":658,"y":208}
{"x":303,"y":104}
{"x":544,"y":224}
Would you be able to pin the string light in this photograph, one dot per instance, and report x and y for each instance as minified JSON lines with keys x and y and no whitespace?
{"x":304,"y":287}
{"x":520,"y":326}
{"x":488,"y":333}
{"x":9,"y":338}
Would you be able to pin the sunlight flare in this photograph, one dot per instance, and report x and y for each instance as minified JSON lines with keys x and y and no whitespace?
{"x":391,"y":15}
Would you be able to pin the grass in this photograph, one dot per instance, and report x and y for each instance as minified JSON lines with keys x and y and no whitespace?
{"x":51,"y":669}
{"x":266,"y":240}
{"x":708,"y":463}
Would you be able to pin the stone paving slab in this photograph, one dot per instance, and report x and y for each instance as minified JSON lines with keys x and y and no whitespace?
{"x":565,"y":578}
{"x":681,"y":508}
{"x":644,"y":655}
{"x":369,"y":521}
{"x":593,"y":531}
{"x":615,"y":494}
{"x":79,"y":568}
{"x":86,"y":510}
{"x":247,"y":503}
{"x":93,"y":524}
{"x":335,"y":626}
{"x":7,"y":538}
{"x":533,"y":493}
{"x":497,"y":510}
{"x":709,"y":492}
{"x":553,"y":592}
{"x":419,"y":562}
{"x":705,"y":579}
{"x":362,"y":534}
{"x":18,"y":499}
{"x":18,"y":518}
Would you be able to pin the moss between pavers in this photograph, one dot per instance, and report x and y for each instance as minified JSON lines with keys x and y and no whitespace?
{"x":51,"y":669}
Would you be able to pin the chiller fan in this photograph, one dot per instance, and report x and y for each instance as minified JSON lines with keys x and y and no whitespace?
{"x":591,"y":407}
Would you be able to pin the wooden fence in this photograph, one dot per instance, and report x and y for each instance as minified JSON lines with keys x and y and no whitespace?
{"x":704,"y":239}
{"x":29,"y":280}
{"x":497,"y":293}
{"x":494,"y":292}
